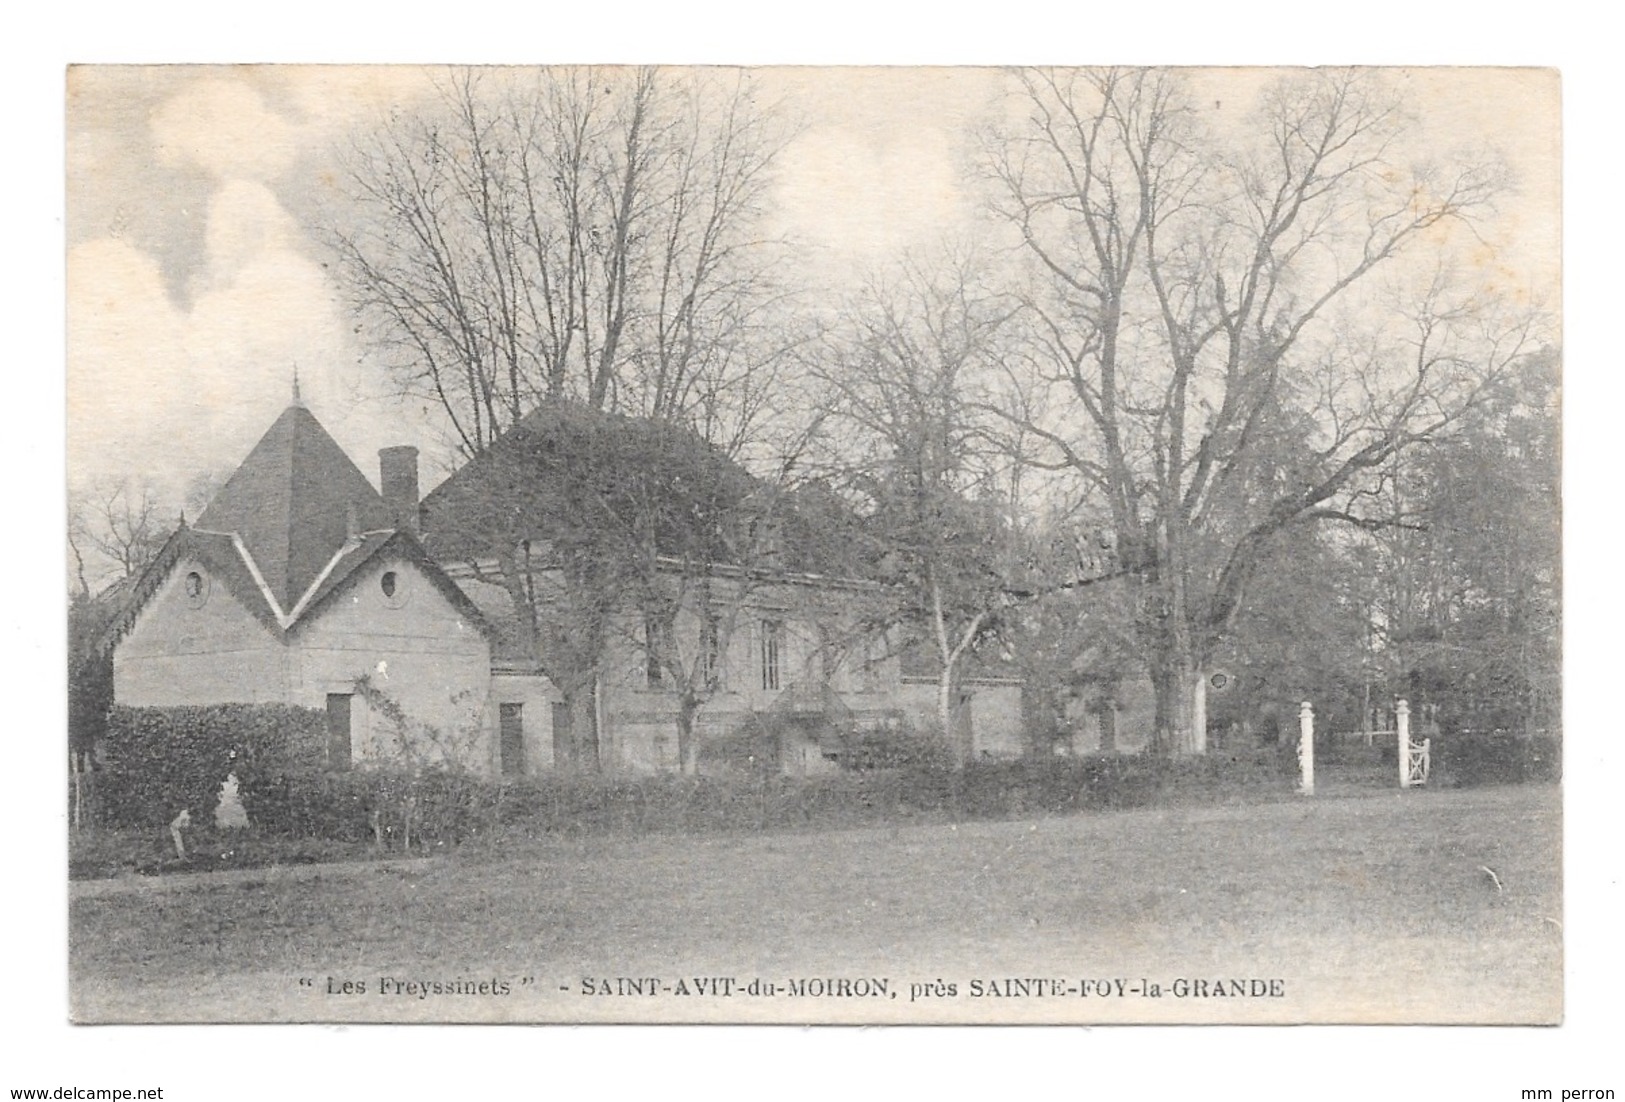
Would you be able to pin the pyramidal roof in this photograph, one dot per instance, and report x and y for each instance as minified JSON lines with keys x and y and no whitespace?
{"x":294,"y":503}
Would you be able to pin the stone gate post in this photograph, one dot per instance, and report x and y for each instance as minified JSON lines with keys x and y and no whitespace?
{"x":1306,"y":748}
{"x":1402,"y":721}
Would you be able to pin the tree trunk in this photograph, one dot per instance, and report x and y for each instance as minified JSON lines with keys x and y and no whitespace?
{"x":1174,"y":677}
{"x":688,"y":751}
{"x":1199,"y":712}
{"x":582,"y":702}
{"x":945,"y":717}
{"x":1175,"y":663}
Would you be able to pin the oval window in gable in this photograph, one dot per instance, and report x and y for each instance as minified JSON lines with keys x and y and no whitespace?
{"x":392,"y":584}
{"x":196,"y":588}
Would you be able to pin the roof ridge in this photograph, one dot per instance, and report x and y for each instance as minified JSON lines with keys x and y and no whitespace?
{"x":285,"y":533}
{"x":291,"y":501}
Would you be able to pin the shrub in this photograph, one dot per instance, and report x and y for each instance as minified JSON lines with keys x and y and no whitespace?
{"x":897,"y":745}
{"x":1059,"y":786}
{"x":161,"y":760}
{"x":319,"y":804}
{"x":389,"y":806}
{"x":1471,"y":759}
{"x":749,"y":748}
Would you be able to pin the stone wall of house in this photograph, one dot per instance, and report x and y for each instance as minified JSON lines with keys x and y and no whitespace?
{"x":997,"y":730}
{"x":416,"y":649}
{"x":639,"y":730}
{"x":992,"y":708}
{"x":535,"y":697}
{"x":640,"y":740}
{"x":202,"y":649}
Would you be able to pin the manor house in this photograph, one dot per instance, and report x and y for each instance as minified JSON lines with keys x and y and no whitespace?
{"x":302,"y":584}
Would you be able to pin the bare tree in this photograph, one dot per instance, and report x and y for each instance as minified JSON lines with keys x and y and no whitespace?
{"x":1212,"y":354}
{"x":901,"y":376}
{"x":600,"y":527}
{"x":115,"y":527}
{"x":1461,"y":594}
{"x":579,"y":239}
{"x":581,"y":233}
{"x":695,"y":594}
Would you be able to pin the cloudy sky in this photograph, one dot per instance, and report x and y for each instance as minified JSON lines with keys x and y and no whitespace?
{"x":195,"y":264}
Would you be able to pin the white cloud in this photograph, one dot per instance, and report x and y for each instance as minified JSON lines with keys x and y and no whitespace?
{"x":126,"y":344}
{"x":247,"y":336}
{"x":159,"y":391}
{"x":245,"y":223}
{"x":332,"y":98}
{"x":223,"y":126}
{"x":164,"y":393}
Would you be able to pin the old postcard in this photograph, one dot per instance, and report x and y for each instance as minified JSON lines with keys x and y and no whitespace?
{"x":814,"y":545}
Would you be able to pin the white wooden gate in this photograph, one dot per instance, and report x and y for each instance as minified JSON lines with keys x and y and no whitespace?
{"x":1415,"y":758}
{"x":1418,"y":762}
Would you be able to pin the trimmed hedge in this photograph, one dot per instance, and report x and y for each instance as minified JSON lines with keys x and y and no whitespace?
{"x":1063,"y":786}
{"x":161,"y":760}
{"x":449,"y":808}
{"x":701,"y":805}
{"x":903,"y":746}
{"x":391,"y":807}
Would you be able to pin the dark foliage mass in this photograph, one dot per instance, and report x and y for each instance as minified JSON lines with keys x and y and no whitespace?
{"x":1472,"y":760}
{"x":574,"y":480}
{"x":161,"y":761}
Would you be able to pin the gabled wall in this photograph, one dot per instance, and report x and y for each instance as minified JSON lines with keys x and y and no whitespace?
{"x":418,"y":650}
{"x":185,"y":650}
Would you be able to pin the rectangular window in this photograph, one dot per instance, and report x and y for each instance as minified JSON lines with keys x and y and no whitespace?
{"x":772,"y":646}
{"x":511,"y":741}
{"x":339,"y":752}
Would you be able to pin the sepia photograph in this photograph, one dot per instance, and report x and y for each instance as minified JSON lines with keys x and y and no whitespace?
{"x":814,"y":545}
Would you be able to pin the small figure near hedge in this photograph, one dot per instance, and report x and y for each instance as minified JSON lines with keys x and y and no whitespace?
{"x":161,"y":759}
{"x":176,"y":825}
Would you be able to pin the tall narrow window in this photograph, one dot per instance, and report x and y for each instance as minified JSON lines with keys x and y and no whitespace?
{"x":653,"y":672}
{"x":563,"y":757}
{"x":711,"y":651}
{"x":866,"y":680}
{"x":511,"y":744}
{"x":338,"y":731}
{"x":772,"y":646}
{"x":766,"y":539}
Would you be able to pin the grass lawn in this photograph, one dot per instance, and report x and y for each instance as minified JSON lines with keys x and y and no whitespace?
{"x":1368,"y":908}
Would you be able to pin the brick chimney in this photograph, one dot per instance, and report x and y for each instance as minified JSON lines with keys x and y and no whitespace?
{"x":398,"y":480}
